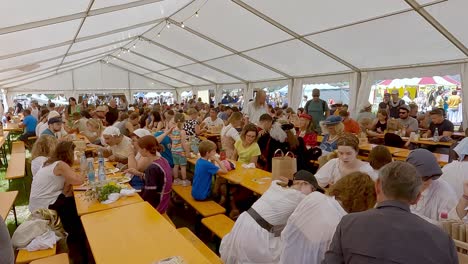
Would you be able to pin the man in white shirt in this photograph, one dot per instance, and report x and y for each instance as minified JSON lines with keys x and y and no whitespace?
{"x":35,"y":109}
{"x":410,"y":124}
{"x":257,"y":107}
{"x":212,"y":121}
{"x":120,"y":146}
{"x":437,"y":196}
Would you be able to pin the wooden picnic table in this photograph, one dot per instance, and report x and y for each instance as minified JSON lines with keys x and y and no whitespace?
{"x":256,"y":180}
{"x":7,"y":201}
{"x":12,"y":127}
{"x":136,"y":233}
{"x":442,"y":159}
{"x":86,"y":206}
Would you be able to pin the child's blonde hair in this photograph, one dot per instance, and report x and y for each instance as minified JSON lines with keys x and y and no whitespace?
{"x":44,"y":146}
{"x":96,"y":124}
{"x":179,"y":119}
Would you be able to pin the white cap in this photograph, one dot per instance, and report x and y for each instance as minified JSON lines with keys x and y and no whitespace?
{"x":141,"y":132}
{"x":52,"y":114}
{"x":111,"y":131}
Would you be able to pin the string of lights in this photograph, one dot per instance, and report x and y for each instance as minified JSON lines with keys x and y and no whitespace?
{"x":167,"y":26}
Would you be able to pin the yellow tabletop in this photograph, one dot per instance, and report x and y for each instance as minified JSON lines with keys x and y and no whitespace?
{"x":16,"y":169}
{"x":57,"y":259}
{"x":3,"y":138}
{"x":432,"y":142}
{"x":442,"y":159}
{"x":369,"y":147}
{"x":7,"y":199}
{"x":135,"y":234}
{"x":11,"y":127}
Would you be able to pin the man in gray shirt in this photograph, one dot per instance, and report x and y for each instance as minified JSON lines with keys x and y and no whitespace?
{"x":410,"y":124}
{"x":390,"y":233}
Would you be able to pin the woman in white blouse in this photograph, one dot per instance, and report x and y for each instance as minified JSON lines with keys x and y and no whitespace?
{"x":346,"y":163}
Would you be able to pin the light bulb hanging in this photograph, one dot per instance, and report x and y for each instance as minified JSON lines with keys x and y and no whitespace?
{"x":182,"y":25}
{"x":196,"y":14}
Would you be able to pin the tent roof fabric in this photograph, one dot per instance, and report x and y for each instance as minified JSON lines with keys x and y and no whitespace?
{"x":236,"y":41}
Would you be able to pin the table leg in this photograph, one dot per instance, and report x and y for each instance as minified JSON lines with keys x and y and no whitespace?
{"x":14,"y":213}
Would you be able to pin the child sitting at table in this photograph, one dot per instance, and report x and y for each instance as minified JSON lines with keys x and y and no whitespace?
{"x":205,"y":169}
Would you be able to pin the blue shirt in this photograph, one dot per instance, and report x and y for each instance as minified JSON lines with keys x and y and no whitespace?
{"x":48,"y":132}
{"x":30,"y":123}
{"x":201,"y":186}
{"x":166,"y":152}
{"x":328,"y":146}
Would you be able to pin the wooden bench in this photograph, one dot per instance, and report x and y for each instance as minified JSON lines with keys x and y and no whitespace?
{"x":16,"y":168}
{"x":461,"y":246}
{"x":57,"y":259}
{"x":199,"y":245}
{"x":7,"y":202}
{"x":18,"y":147}
{"x":25,"y":256}
{"x":204,"y":208}
{"x":219,"y":224}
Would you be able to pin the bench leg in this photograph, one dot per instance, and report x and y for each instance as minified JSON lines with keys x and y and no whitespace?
{"x":14,"y":214}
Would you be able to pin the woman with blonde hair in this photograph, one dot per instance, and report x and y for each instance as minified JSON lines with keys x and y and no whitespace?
{"x":346,"y":163}
{"x":41,"y":151}
{"x":94,"y":132}
{"x":230,"y":134}
{"x":332,"y":128}
{"x":310,"y":228}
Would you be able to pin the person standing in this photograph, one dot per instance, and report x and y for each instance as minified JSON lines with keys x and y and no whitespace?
{"x":35,"y":109}
{"x":113,"y":112}
{"x":392,"y":233}
{"x":257,"y":107}
{"x":317,"y":108}
{"x":394,"y":104}
{"x":453,"y":102}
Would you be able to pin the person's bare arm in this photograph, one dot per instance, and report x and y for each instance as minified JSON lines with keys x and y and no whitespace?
{"x":183,"y":138}
{"x":64,"y":170}
{"x":254,"y":159}
{"x":447,"y":134}
{"x":222,"y":168}
{"x":463,"y":202}
{"x":130,"y":127}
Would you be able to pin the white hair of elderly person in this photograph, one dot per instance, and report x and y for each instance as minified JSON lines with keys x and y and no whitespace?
{"x":455,"y":173}
{"x":255,"y":235}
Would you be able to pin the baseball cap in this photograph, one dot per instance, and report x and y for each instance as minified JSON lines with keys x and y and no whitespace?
{"x":406,"y":107}
{"x":52,"y":114}
{"x":305,"y":116}
{"x":366,"y":105}
{"x":425,"y":162}
{"x":304,"y":175}
{"x":54,"y":120}
{"x":101,"y":109}
{"x":332,"y":120}
{"x":395,"y":92}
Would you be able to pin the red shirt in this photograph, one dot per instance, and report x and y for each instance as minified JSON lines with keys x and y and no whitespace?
{"x":310,"y":139}
{"x":351,"y":126}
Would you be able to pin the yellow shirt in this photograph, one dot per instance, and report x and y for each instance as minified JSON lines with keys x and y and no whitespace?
{"x":246,"y":154}
{"x":454,"y":101}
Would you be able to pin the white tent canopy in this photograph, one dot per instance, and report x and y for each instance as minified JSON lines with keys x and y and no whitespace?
{"x":52,"y":45}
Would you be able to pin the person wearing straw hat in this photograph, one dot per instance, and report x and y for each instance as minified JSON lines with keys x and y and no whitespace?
{"x":390,"y":233}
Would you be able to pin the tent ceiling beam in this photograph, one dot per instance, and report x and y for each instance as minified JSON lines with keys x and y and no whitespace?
{"x":141,"y":75}
{"x":62,"y":19}
{"x":192,"y":59}
{"x":172,"y":67}
{"x":69,"y":54}
{"x":228,"y":48}
{"x":91,"y":2}
{"x":294,"y":34}
{"x":437,"y":25}
{"x":51,"y":71}
{"x":431,"y":64}
{"x":150,"y":71}
{"x":66,"y":63}
{"x":81,"y":39}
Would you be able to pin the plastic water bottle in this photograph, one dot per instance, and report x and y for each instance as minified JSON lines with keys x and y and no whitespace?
{"x":91,"y":174}
{"x":101,"y":171}
{"x":436,"y":135}
{"x":83,"y":164}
